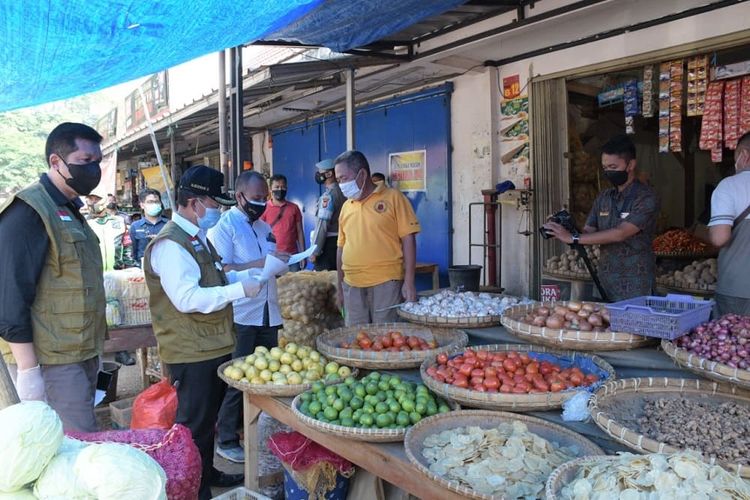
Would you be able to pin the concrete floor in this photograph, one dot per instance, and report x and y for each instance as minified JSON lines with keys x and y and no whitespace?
{"x":129,"y":385}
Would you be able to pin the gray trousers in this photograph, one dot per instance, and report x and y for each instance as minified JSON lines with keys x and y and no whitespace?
{"x":726,"y":304}
{"x":362,"y":304}
{"x":70,"y":390}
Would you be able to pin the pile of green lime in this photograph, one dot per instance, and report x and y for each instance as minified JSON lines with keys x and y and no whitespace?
{"x":378,"y":401}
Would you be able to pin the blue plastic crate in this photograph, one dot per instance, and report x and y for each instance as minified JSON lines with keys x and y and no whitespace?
{"x":662,"y":317}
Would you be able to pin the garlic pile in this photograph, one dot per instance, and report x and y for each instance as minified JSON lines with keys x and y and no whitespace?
{"x":450,"y":304}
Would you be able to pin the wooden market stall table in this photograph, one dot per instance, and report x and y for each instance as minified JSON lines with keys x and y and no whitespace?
{"x":132,"y":338}
{"x":388,"y":460}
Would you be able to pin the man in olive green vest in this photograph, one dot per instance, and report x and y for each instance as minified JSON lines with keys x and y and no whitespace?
{"x":191,"y":310}
{"x":52,"y":305}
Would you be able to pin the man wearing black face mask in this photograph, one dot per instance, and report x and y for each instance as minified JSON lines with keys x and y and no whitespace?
{"x":285,"y":219}
{"x":623,"y":221}
{"x":52,"y":312}
{"x":244,"y":241}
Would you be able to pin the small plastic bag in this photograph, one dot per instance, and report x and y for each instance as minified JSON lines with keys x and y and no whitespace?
{"x":156,"y":407}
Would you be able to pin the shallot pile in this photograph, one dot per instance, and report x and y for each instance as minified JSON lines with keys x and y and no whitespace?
{"x":583,"y":316}
{"x":725,"y":340}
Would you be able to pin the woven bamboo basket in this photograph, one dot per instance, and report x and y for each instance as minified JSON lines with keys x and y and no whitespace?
{"x":567,"y":275}
{"x":686,"y":255}
{"x":444,"y":322}
{"x":328,"y":345}
{"x":509,"y":402}
{"x":708,"y":290}
{"x":568,"y":339}
{"x":355,"y":433}
{"x":415,"y":436}
{"x":707,"y":368}
{"x":616,"y":406}
{"x":566,"y":473}
{"x":270,"y":389}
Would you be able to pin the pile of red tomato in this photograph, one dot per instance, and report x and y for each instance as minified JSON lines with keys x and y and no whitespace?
{"x":392,"y":341}
{"x":506,"y":372}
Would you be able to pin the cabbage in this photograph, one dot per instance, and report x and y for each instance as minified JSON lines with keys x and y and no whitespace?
{"x":30,"y":435}
{"x":18,"y":495}
{"x":120,"y":472}
{"x":59,"y":480}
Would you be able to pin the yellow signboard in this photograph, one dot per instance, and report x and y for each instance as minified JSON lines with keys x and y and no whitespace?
{"x":408,"y":170}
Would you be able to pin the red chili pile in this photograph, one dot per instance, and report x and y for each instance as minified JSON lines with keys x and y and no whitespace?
{"x":391,"y":341}
{"x":680,"y":241}
{"x":506,"y":372}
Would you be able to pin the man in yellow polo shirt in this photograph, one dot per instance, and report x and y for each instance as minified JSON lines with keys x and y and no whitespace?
{"x":376,"y":253}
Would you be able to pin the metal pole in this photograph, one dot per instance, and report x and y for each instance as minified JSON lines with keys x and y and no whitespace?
{"x":349,"y":74}
{"x":237,"y":120}
{"x":223,"y":117}
{"x":173,"y":160}
{"x":151,"y":131}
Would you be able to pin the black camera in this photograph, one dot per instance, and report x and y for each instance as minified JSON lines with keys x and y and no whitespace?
{"x":563,"y":218}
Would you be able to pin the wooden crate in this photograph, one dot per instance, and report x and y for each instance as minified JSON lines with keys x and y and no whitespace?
{"x":120,"y":412}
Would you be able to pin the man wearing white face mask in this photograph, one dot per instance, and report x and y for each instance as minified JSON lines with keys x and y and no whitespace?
{"x":376,"y":253}
{"x":244,"y":240}
{"x":191,"y":310}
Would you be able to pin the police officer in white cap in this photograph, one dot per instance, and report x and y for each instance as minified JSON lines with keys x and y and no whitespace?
{"x":327,"y":215}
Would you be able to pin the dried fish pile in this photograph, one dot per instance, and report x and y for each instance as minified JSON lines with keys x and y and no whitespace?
{"x":718,"y":430}
{"x":647,"y":477}
{"x":506,"y":461}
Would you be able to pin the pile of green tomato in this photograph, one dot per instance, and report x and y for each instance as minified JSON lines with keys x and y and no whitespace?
{"x":378,"y":401}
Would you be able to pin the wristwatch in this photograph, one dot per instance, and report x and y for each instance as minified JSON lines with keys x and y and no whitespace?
{"x":576,"y":239}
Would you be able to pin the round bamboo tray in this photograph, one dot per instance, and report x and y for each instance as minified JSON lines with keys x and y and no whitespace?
{"x":568,"y":339}
{"x":415,"y":436}
{"x":566,"y":473}
{"x":444,"y":322}
{"x":686,"y":255}
{"x":503,"y":401}
{"x":705,"y":367}
{"x":567,"y":275}
{"x":355,"y":433}
{"x":328,"y":345}
{"x":708,"y":290}
{"x":616,"y":406}
{"x":270,"y":389}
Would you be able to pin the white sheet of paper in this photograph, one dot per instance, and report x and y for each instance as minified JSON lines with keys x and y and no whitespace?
{"x":99,"y":397}
{"x":299,"y":257}
{"x":272,"y":267}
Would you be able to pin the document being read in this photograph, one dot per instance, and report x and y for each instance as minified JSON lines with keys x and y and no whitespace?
{"x":275,"y":266}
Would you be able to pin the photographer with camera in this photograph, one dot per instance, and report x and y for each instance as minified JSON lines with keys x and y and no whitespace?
{"x":623,"y":222}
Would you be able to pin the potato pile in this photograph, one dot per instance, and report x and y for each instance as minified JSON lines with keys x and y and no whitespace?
{"x":308,"y":306}
{"x":569,"y":262}
{"x":700,"y":274}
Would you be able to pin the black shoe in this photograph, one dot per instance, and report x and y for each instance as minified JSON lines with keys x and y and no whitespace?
{"x":124,"y":358}
{"x":224,"y":480}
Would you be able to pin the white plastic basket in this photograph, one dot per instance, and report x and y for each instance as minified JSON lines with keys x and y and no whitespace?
{"x":241,"y":493}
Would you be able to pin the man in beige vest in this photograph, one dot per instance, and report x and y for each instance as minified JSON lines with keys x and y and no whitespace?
{"x":52,"y":305}
{"x":191,"y":310}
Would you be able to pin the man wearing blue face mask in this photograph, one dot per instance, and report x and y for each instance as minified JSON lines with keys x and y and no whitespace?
{"x":144,"y":230}
{"x":52,"y":312}
{"x":191,"y":310}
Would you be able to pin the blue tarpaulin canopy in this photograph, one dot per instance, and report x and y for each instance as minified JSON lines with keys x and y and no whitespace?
{"x":55,"y":49}
{"x":345,"y":24}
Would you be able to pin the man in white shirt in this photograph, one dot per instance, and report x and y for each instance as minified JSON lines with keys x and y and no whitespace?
{"x":244,"y":240}
{"x":729,"y":230}
{"x":191,"y":310}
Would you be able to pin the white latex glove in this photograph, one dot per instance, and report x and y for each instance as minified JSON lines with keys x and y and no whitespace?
{"x":30,"y":384}
{"x":251,"y":287}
